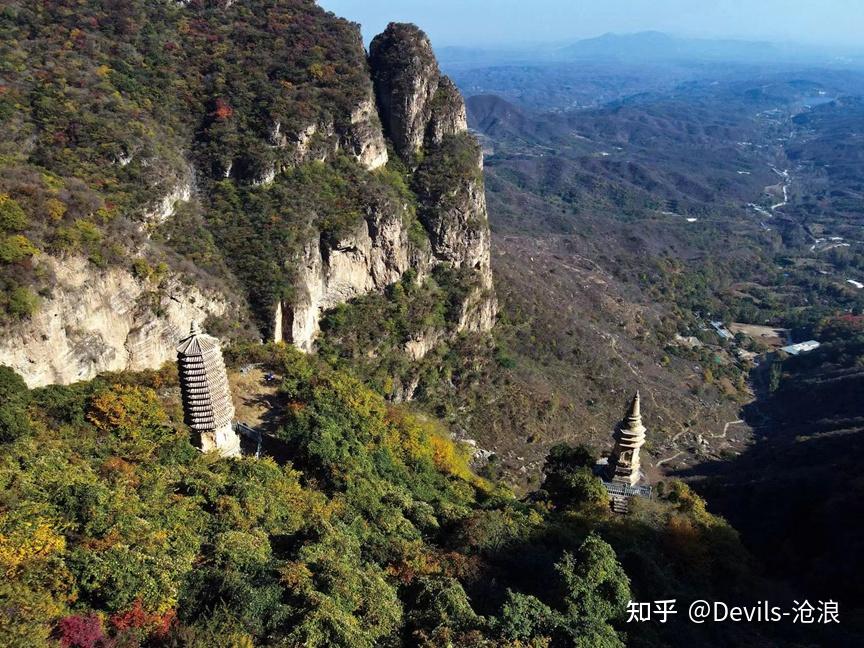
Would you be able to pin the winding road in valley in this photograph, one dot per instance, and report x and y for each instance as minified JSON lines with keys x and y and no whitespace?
{"x":786,"y":181}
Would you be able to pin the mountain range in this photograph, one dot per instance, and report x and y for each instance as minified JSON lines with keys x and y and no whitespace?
{"x":650,"y":47}
{"x":428,"y":315}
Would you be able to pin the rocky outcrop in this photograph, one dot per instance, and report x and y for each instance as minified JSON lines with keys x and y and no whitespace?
{"x":418,"y":105}
{"x":377,"y":253}
{"x":370,"y":258}
{"x":420,"y":345}
{"x":422,"y":111}
{"x":406,"y":76}
{"x":362,"y":138}
{"x":167,"y":206}
{"x":454,"y":214}
{"x":479,"y":310}
{"x":354,"y":130}
{"x":449,"y":184}
{"x":365,"y":139}
{"x":449,"y":115}
{"x":102,"y":320}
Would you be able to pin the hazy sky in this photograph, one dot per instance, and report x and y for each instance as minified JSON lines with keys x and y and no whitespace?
{"x":484,"y":22}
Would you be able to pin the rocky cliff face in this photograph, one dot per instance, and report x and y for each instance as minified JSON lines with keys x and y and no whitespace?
{"x":422,"y":112}
{"x":308,"y":129}
{"x":418,"y":105}
{"x":166,"y":207}
{"x":342,"y":103}
{"x":362,"y":139}
{"x":455,"y":215}
{"x":373,"y":256}
{"x":102,"y":320}
{"x":448,"y":115}
{"x":357,"y":133}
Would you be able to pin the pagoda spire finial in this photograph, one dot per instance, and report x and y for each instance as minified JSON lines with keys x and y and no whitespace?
{"x":635,"y":408}
{"x":194,"y":329}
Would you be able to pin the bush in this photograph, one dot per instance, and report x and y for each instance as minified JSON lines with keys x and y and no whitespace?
{"x":15,"y":248}
{"x":81,"y":632}
{"x":22,"y":303}
{"x":14,"y":398}
{"x":12,"y":217}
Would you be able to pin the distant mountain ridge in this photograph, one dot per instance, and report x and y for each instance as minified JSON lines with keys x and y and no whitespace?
{"x":649,"y":47}
{"x":654,"y":45}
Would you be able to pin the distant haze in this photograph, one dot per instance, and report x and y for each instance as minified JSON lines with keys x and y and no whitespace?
{"x":830,"y":23}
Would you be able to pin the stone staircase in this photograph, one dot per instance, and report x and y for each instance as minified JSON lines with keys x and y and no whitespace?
{"x":619,"y":504}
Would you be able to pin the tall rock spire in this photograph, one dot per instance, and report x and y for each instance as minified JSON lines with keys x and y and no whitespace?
{"x":629,"y":439}
{"x":207,"y":405}
{"x":418,"y":105}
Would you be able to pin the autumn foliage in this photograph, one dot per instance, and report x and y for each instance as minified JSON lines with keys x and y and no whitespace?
{"x":115,"y":531}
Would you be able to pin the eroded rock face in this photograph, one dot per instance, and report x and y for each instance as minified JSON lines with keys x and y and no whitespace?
{"x":376,"y":254}
{"x":357,"y":132}
{"x":102,"y":320}
{"x":422,"y":111}
{"x":420,"y":345}
{"x":457,"y":223}
{"x":167,"y":206}
{"x":406,"y":77}
{"x":365,"y":139}
{"x":418,"y":105}
{"x":453,"y":211}
{"x":449,"y":115}
{"x":362,"y":139}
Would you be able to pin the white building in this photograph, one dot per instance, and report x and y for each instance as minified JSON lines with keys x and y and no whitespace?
{"x":801,"y":347}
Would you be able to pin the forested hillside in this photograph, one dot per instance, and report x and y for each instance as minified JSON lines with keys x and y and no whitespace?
{"x":115,"y":530}
{"x":734,"y":199}
{"x":101,"y":102}
{"x":236,"y":148}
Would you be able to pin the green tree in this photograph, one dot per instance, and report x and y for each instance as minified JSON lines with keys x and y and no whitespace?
{"x":439,"y":608}
{"x":595,"y":593}
{"x":569,"y":478}
{"x":525,"y":617}
{"x":133,"y":415}
{"x":14,"y":398}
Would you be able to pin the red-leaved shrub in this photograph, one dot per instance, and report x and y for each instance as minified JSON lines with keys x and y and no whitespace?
{"x":81,"y":632}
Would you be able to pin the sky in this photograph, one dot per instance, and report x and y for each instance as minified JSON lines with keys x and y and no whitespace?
{"x":499,"y":22}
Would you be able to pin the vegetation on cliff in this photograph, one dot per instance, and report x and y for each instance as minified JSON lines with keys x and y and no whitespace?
{"x":174,"y":122}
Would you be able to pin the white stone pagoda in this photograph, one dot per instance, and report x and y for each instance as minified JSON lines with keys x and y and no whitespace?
{"x":623,"y":467}
{"x":207,"y":405}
